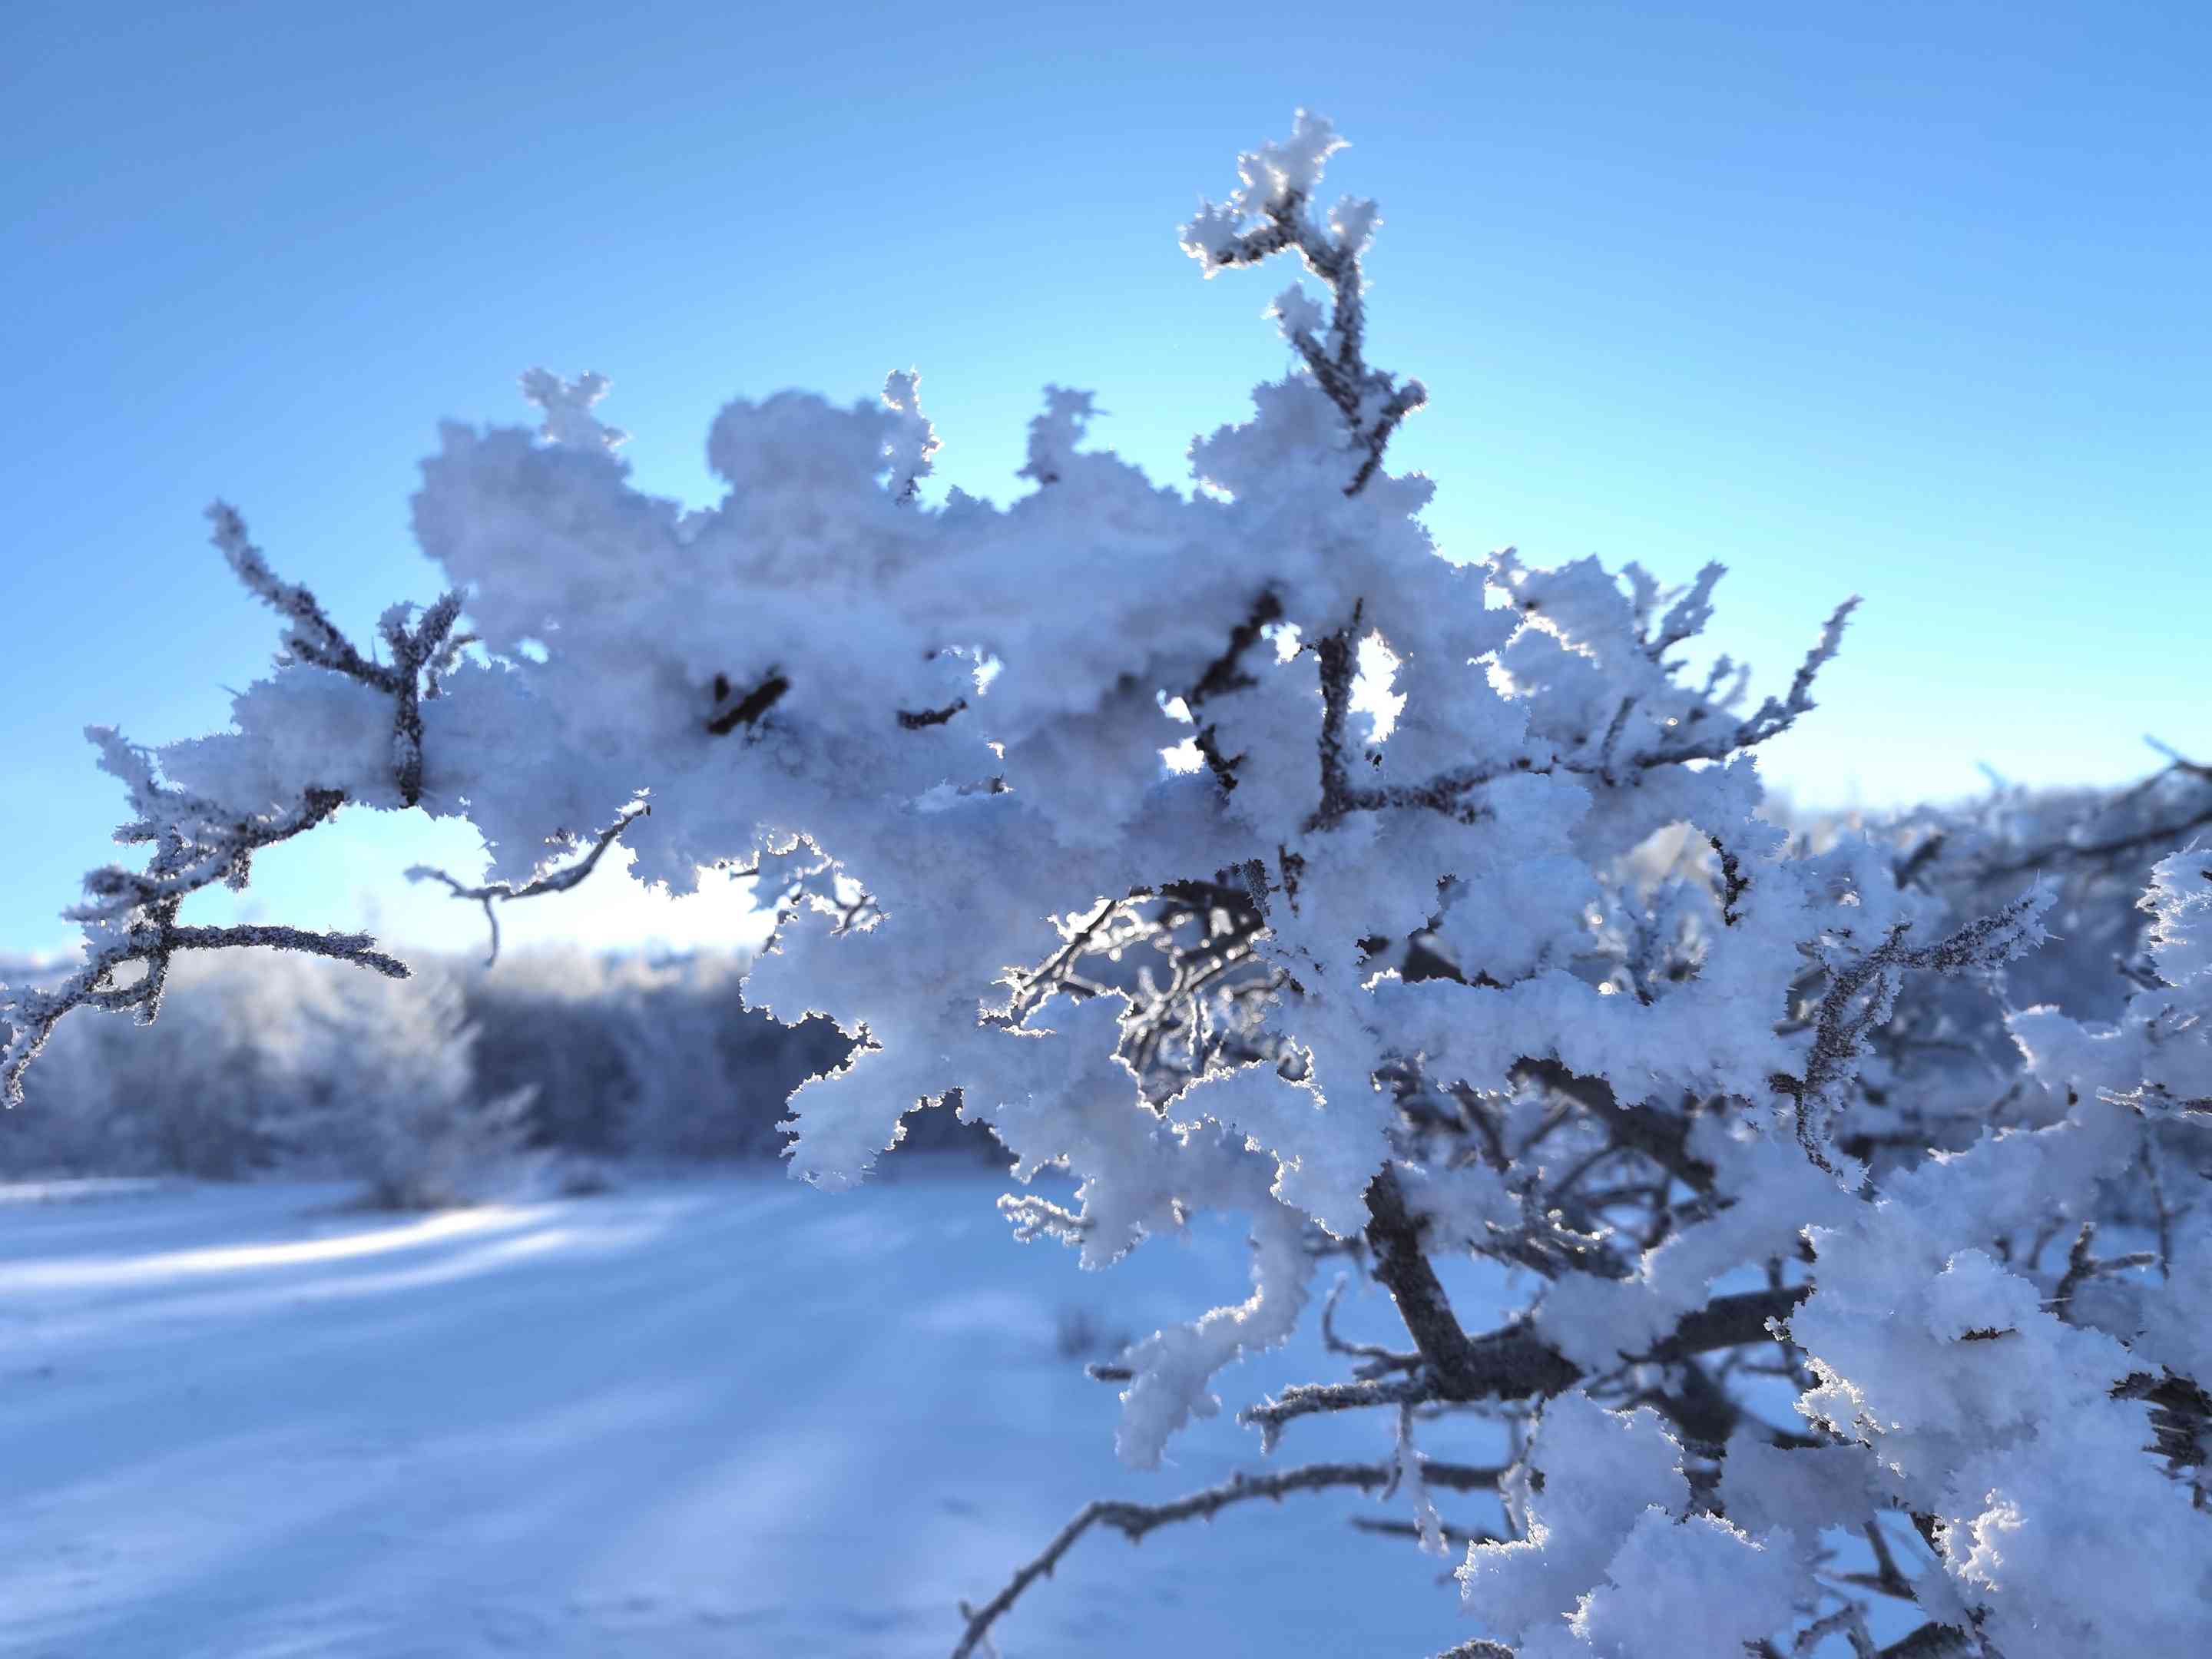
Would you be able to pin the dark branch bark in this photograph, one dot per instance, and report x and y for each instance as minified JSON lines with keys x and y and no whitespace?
{"x":928,"y":717}
{"x":1226,"y":673}
{"x":748,"y":709}
{"x":1514,"y":1363}
{"x":1402,"y":1264}
{"x":555,"y":881}
{"x":1932,"y":1640}
{"x":1133,"y":1520}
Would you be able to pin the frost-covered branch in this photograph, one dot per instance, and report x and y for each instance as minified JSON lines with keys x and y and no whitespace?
{"x":1453,"y":791}
{"x":1861,"y":995}
{"x":422,"y":650}
{"x":1267,"y":216}
{"x":129,"y":917}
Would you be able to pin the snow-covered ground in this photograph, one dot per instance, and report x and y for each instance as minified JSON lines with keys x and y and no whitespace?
{"x":726,"y":1416}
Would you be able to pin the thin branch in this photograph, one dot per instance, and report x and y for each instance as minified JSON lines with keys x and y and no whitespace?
{"x":311,"y":637}
{"x":2147,"y":1155}
{"x":1338,"y":668}
{"x":1390,"y":1527}
{"x":1514,"y":1363}
{"x":1447,"y":792}
{"x":555,"y":881}
{"x":1379,"y":1361}
{"x":2042,"y":858}
{"x":357,"y":948}
{"x":131,"y":917}
{"x":1861,"y":993}
{"x":417,"y":648}
{"x":1848,"y":1621}
{"x":1307,"y":1398}
{"x":1133,"y":1520}
{"x":911,"y":720}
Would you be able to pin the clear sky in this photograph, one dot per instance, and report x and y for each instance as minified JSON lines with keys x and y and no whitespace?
{"x":1909,"y":301}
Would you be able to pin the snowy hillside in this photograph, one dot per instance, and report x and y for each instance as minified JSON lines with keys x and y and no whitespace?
{"x":729,"y":1418}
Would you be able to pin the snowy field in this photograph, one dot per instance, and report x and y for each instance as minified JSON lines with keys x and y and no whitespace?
{"x":724,"y":1417}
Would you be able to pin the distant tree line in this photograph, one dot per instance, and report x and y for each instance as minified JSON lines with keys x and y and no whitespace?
{"x":287,"y":1064}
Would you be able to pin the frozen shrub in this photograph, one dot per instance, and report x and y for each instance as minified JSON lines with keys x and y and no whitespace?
{"x":399,"y":1109}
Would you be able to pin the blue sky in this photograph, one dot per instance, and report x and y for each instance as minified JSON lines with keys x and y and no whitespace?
{"x":1906,"y":300}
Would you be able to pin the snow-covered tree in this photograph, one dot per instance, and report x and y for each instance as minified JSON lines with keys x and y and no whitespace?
{"x":1236,"y":852}
{"x":398,"y":1107}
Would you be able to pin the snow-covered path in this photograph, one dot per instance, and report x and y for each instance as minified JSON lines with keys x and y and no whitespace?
{"x":725,"y":1416}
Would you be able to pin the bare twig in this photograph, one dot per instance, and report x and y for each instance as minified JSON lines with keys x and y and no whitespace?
{"x":1379,"y":1361}
{"x":1389,"y":1526}
{"x":1133,"y":1520}
{"x":493,"y":894}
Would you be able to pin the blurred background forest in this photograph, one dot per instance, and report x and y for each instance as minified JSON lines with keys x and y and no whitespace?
{"x":552,"y":1062}
{"x":562,"y":1065}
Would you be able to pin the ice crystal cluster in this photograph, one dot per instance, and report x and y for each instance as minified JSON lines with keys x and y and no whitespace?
{"x":1232,"y":849}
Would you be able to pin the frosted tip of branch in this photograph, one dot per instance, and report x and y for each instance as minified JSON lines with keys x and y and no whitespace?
{"x":1275,"y":171}
{"x":122,"y":759}
{"x":1277,"y":177}
{"x":912,"y":448}
{"x":1055,"y":434}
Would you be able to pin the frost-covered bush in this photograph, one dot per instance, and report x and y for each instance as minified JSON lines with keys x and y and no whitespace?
{"x":398,"y":1107}
{"x":1234,"y":851}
